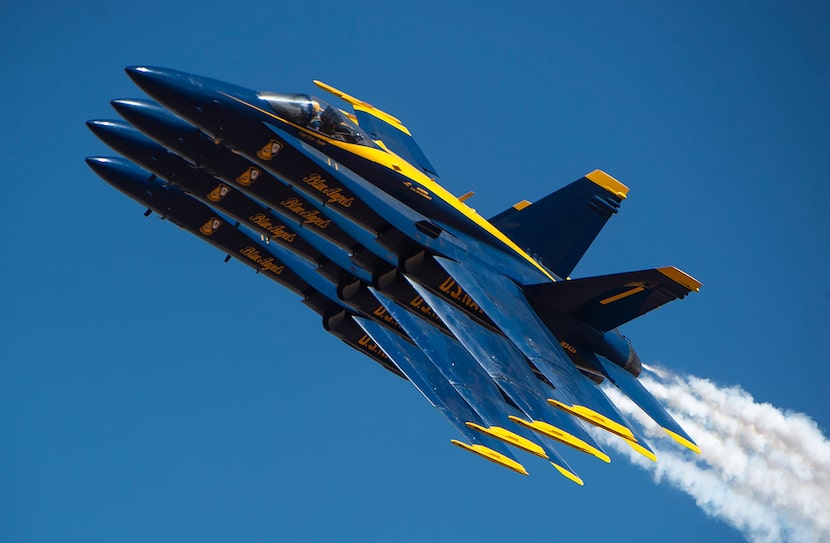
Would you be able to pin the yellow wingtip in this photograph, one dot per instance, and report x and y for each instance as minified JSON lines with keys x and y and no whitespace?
{"x":680,"y":277}
{"x":518,"y":206}
{"x":683,"y":441}
{"x":608,"y":183}
{"x":569,"y":474}
{"x":591,"y":416}
{"x":642,"y":450}
{"x":561,"y":436}
{"x":510,"y":438}
{"x":492,"y":456}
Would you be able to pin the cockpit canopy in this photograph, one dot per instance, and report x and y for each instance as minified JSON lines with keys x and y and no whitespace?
{"x":315,"y":114}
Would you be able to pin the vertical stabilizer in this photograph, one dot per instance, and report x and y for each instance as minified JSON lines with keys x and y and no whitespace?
{"x":557,"y":229}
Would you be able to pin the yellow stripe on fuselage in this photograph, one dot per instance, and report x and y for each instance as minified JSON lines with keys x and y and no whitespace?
{"x":401,"y":166}
{"x":397,"y":164}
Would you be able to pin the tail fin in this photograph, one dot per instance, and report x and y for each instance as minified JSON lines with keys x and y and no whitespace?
{"x":559,"y":228}
{"x":608,"y":301}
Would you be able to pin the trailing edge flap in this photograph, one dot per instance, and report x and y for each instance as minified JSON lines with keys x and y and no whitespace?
{"x":607,"y":301}
{"x":557,"y":229}
{"x":386,"y":128}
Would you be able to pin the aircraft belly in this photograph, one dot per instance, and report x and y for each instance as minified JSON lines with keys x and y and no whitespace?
{"x":477,"y":388}
{"x":426,"y":378}
{"x":509,"y":368}
{"x":504,"y":303}
{"x":453,"y":362}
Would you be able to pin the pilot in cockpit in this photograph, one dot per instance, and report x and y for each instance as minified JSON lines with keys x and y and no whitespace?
{"x":314,"y":120}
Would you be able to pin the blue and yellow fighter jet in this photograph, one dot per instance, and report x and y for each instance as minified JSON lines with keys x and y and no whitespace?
{"x":344,"y":209}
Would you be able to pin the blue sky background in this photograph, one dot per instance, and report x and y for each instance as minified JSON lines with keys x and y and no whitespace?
{"x":150,"y":392}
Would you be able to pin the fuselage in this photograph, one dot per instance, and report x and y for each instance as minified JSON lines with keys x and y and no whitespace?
{"x":224,"y":110}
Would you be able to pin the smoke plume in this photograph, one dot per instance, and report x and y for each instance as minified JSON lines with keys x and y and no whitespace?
{"x":763,"y":470}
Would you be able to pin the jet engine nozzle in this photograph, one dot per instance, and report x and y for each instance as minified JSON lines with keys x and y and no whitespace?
{"x":618,"y":349}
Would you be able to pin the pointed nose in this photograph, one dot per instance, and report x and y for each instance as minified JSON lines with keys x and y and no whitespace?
{"x":150,"y":118}
{"x":116,"y":134}
{"x":130,"y":143}
{"x":123,"y":105}
{"x":117,"y":171}
{"x":100,"y":165}
{"x":204,"y":102}
{"x":180,"y":92}
{"x":103,"y":128}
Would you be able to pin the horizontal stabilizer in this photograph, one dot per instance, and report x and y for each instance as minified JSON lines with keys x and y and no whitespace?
{"x":607,"y":301}
{"x":631,"y":387}
{"x":385,"y":128}
{"x":557,"y":229}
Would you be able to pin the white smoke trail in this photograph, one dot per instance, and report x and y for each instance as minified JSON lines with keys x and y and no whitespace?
{"x":763,"y":470}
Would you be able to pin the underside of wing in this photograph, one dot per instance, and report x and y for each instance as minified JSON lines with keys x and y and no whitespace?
{"x":440,"y":393}
{"x":476,"y":386}
{"x":572,"y":392}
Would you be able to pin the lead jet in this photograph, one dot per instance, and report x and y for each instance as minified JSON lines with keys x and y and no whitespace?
{"x":481,"y":315}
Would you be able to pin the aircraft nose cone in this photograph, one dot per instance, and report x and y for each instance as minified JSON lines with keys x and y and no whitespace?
{"x":180,"y":92}
{"x":115,"y":171}
{"x":97,"y":128}
{"x":150,"y":78}
{"x":113,"y":133}
{"x":204,"y":102}
{"x":149,"y":117}
{"x":128,"y":105}
{"x":98,"y":164}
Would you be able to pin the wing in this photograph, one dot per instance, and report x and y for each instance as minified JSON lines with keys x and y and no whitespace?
{"x":385,"y":128}
{"x":466,"y":376}
{"x":440,"y":393}
{"x":572,"y":392}
{"x":509,"y":369}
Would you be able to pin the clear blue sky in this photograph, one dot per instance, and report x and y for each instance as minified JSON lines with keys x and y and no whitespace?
{"x":149,"y":392}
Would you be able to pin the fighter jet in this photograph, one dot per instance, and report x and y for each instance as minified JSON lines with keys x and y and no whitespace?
{"x":481,"y":315}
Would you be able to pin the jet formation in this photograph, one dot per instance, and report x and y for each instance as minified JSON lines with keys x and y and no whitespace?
{"x":343,"y":208}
